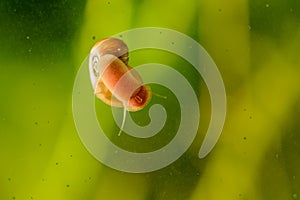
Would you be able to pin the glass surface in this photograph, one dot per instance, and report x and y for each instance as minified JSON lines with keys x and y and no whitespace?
{"x":255,"y":45}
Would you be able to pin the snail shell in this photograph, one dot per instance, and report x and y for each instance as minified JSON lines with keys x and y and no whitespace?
{"x":108,"y":62}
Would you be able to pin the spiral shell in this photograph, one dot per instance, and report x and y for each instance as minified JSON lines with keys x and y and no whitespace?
{"x":108,"y":62}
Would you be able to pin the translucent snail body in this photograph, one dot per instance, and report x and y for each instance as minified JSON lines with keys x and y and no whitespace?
{"x":108,"y":63}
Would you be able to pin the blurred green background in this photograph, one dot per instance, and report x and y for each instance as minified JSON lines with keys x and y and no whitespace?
{"x":254,"y":43}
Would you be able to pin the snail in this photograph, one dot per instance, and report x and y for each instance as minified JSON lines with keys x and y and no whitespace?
{"x":108,"y":63}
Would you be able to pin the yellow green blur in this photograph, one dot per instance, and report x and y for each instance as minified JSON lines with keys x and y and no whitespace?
{"x":255,"y":45}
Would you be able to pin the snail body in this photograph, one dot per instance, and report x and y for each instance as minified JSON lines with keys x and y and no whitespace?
{"x":108,"y":63}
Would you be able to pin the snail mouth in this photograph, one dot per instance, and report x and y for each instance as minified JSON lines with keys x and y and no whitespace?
{"x":140,"y":99}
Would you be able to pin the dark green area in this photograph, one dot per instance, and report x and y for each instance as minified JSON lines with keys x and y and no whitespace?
{"x":39,"y":30}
